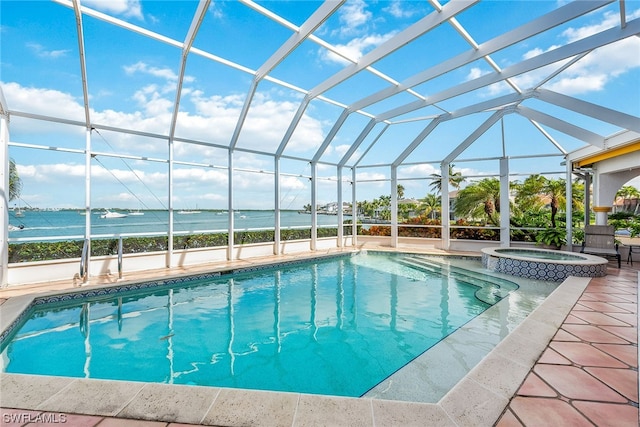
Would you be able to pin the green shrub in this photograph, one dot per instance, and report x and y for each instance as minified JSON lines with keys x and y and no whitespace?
{"x":555,"y":237}
{"x":42,"y":251}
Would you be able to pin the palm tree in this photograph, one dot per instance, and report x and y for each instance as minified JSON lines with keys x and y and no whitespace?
{"x":555,"y":189}
{"x":15,"y":183}
{"x":528,"y":193}
{"x":628,"y":193}
{"x":455,"y":180}
{"x":400,"y":191}
{"x":480,"y":199}
{"x":432,"y":204}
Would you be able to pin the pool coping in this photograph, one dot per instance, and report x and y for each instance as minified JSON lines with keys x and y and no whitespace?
{"x":477,"y":399}
{"x":579,"y":257}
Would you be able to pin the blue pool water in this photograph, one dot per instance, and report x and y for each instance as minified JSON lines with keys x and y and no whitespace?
{"x":334,"y":326}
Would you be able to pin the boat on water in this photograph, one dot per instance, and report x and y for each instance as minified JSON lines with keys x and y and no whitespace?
{"x":17,"y":212}
{"x":183,"y":212}
{"x":136,"y":213}
{"x":16,"y":227}
{"x":110,"y":214}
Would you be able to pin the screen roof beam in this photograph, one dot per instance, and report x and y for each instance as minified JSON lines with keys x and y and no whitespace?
{"x":310,"y":25}
{"x":562,"y":126}
{"x":532,"y":28}
{"x":564,"y":52}
{"x":83,"y":62}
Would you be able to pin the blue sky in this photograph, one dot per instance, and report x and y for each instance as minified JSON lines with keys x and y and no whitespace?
{"x":132,"y":80}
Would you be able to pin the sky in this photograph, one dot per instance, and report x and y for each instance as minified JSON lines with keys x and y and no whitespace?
{"x":132,"y":80}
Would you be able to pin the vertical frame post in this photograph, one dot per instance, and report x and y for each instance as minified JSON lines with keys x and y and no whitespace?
{"x":505,"y":211}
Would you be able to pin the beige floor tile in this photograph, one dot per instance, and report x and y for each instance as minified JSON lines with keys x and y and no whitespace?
{"x":162,"y":402}
{"x":235,"y":407}
{"x":326,"y":411}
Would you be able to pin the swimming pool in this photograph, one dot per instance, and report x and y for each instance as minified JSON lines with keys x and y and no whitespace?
{"x":335,"y":326}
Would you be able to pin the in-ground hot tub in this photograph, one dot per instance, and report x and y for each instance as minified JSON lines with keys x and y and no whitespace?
{"x":541,"y":264}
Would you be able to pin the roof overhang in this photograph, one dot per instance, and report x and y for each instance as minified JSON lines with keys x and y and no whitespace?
{"x":617,"y":145}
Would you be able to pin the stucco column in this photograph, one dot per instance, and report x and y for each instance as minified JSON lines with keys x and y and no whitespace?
{"x":605,"y":186}
{"x":602,"y":213}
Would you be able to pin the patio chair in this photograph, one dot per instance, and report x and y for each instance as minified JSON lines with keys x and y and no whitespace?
{"x":600,"y":240}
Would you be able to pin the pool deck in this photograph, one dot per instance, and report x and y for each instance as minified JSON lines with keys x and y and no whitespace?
{"x":573,"y":361}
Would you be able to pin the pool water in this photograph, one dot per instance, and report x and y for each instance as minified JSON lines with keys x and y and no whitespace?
{"x":335,"y":326}
{"x":541,"y":254}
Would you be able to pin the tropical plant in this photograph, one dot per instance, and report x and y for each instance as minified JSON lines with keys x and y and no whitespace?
{"x":480,"y":200}
{"x":527,"y":194}
{"x":432,"y":204}
{"x":555,"y":189}
{"x":15,"y":183}
{"x":555,"y":237}
{"x":532,"y":196}
{"x":407,"y":210}
{"x":628,"y":193}
{"x":455,"y":180}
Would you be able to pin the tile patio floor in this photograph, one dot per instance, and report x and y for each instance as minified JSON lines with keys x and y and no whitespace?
{"x":587,"y":376}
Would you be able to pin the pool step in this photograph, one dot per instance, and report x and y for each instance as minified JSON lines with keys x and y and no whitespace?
{"x":476,"y":274}
{"x":491,"y":289}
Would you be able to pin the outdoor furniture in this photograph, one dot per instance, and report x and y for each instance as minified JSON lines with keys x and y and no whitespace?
{"x":600,"y":240}
{"x":633,"y":243}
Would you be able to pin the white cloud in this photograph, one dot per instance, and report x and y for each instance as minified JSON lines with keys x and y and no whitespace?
{"x":151,"y":100}
{"x":370,"y":176}
{"x":353,"y":15}
{"x":126,"y":176}
{"x":591,"y":73}
{"x":215,"y":9}
{"x":189,"y":176}
{"x":161,"y":73}
{"x":263,"y":130}
{"x":535,"y":52}
{"x":418,"y":171}
{"x":475,"y":72}
{"x":141,"y":67}
{"x":40,"y":51}
{"x":213,"y":120}
{"x":342,"y":149}
{"x":594,"y":71}
{"x":609,"y":19}
{"x":288,"y":183}
{"x":579,"y":84}
{"x":355,"y":48}
{"x":212,"y":197}
{"x":42,"y":101}
{"x":129,"y":8}
{"x":125,"y":197}
{"x":397,"y":9}
{"x":492,"y":90}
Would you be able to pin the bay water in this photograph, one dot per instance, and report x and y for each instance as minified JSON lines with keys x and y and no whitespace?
{"x":70,"y":223}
